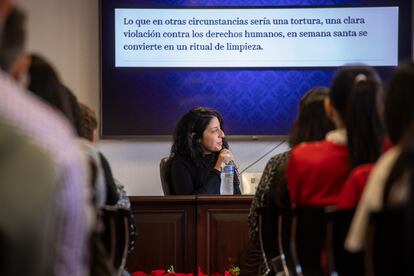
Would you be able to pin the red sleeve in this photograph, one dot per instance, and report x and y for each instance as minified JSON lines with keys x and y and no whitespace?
{"x":387,"y":144}
{"x":352,"y":190}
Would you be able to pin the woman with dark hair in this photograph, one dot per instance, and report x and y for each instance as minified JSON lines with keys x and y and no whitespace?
{"x":317,"y":171}
{"x":311,"y":125}
{"x":362,"y":156}
{"x":198,"y":152}
{"x":387,"y":207}
{"x":399,"y":115}
{"x":45,"y":83}
{"x":272,"y":195}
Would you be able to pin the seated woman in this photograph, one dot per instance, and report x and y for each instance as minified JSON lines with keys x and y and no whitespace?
{"x":198,"y":152}
{"x":398,"y":116}
{"x":317,"y":171}
{"x":272,"y":196}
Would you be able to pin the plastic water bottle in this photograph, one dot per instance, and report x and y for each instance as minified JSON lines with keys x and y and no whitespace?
{"x":227,"y":177}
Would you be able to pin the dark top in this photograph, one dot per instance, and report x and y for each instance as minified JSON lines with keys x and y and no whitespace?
{"x":271,"y":194}
{"x":189,"y":179}
{"x":271,"y":198}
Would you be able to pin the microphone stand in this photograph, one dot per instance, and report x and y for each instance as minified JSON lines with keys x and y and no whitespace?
{"x":263,"y":156}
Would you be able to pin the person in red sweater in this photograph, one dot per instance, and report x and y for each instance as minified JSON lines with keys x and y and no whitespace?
{"x":352,"y":190}
{"x":317,"y":171}
{"x":353,"y":187}
{"x":399,"y":118}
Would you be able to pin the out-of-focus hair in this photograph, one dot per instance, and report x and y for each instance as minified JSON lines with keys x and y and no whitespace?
{"x":399,"y":102}
{"x":13,"y":39}
{"x":356,"y":93}
{"x":45,"y":83}
{"x":364,"y":125}
{"x":311,"y":123}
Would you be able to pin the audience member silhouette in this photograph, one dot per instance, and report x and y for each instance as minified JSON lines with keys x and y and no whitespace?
{"x":272,"y":197}
{"x":399,"y":115}
{"x":47,"y":130}
{"x":317,"y":171}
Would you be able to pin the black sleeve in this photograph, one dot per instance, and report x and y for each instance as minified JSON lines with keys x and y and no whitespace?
{"x":112,"y":196}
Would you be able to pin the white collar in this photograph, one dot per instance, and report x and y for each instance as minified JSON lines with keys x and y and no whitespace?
{"x":337,"y":136}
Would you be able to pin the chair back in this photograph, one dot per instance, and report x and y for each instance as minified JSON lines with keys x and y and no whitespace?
{"x":345,"y":262}
{"x":284,"y":242}
{"x":309,"y":226}
{"x":387,"y":253}
{"x":266,"y":270}
{"x":165,"y":175}
{"x":116,"y":235}
{"x":273,"y":256}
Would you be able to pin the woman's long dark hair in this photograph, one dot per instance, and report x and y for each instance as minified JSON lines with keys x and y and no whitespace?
{"x":311,"y":124}
{"x":365,"y":129}
{"x":404,"y":165}
{"x":46,"y":84}
{"x":399,"y":101}
{"x":399,"y":118}
{"x":189,"y":131}
{"x":356,"y":94}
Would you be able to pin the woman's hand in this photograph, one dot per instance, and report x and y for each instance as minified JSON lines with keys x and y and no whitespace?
{"x":225,"y":156}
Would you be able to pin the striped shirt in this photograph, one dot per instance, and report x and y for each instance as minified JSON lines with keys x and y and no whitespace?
{"x":50,"y":131}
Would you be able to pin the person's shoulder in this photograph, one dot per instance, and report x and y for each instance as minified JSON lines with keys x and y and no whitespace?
{"x":389,"y":156}
{"x":362,"y":170}
{"x":31,"y":115}
{"x":312,"y":147}
{"x":12,"y":142}
{"x":87,"y":146}
{"x":380,"y":172}
{"x":280,"y":157}
{"x":320,"y":153}
{"x":179,"y":160}
{"x":359,"y":175}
